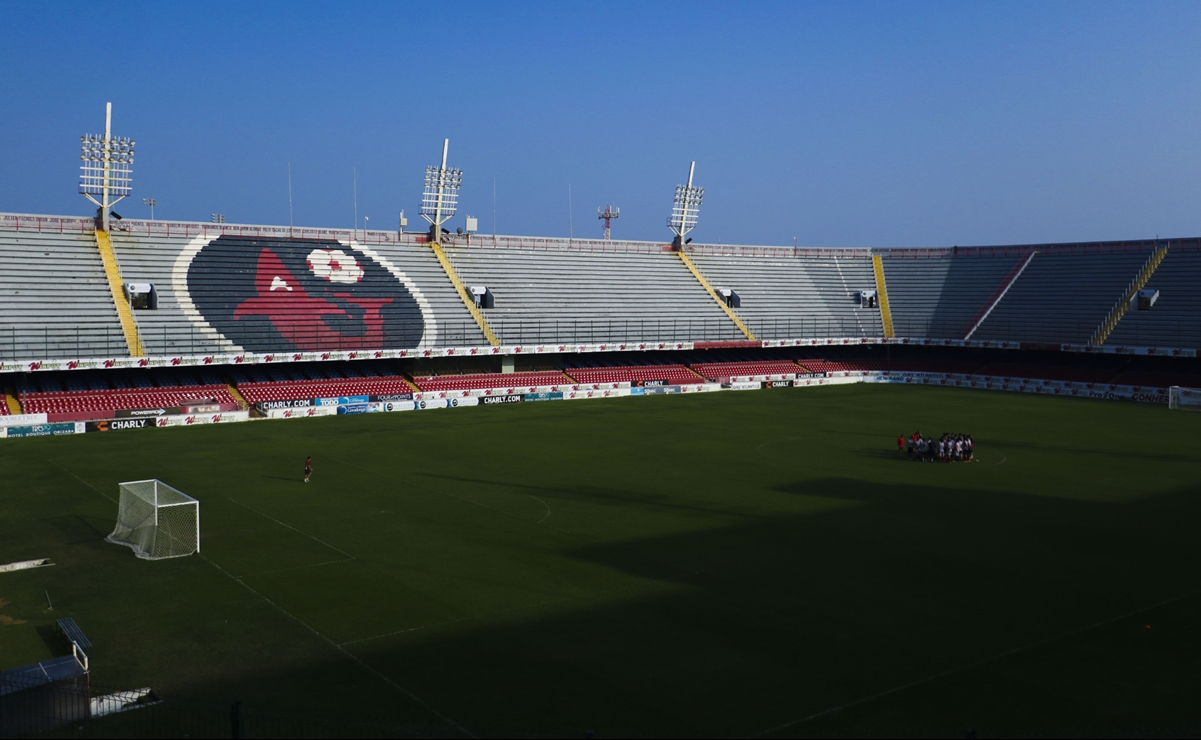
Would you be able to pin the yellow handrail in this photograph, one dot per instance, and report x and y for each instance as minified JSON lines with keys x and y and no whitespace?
{"x":882,"y":295}
{"x":467,"y":300}
{"x":1118,"y":311}
{"x":129,"y":326}
{"x":696,"y":273}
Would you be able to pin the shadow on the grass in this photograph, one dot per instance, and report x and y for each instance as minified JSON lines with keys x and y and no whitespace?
{"x":80,"y":529}
{"x":739,"y":628}
{"x":732,"y":629}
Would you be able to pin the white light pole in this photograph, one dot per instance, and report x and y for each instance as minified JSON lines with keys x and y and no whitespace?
{"x":441,"y":196}
{"x":107,"y":168}
{"x":685,"y":209}
{"x":365,"y":220}
{"x":152,"y":203}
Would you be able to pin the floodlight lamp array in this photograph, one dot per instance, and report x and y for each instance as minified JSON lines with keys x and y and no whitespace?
{"x":441,"y":196}
{"x":685,"y":209}
{"x":104,"y":159}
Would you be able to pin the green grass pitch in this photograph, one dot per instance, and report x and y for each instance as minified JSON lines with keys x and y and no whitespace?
{"x":745,"y":564}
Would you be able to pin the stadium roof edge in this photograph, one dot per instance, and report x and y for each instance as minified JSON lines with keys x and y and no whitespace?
{"x":79,"y":224}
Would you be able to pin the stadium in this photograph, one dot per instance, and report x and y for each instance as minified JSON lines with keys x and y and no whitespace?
{"x":733,"y":536}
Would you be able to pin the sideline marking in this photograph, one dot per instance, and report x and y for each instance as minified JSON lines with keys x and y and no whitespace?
{"x":294,"y":529}
{"x":347,"y":559}
{"x":54,"y":462}
{"x":978,"y":663}
{"x":341,"y":649}
{"x":295,"y":618}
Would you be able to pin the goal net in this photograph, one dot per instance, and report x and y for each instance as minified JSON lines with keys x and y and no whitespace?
{"x":157,"y":521}
{"x":1184,"y":398}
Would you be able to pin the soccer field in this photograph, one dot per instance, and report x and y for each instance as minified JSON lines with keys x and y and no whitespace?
{"x":759,"y":563}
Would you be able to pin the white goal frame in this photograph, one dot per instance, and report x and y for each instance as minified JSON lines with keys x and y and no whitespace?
{"x":1184,"y":398}
{"x":148,"y":520}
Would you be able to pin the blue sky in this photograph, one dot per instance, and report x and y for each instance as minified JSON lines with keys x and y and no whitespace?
{"x":839,"y":124}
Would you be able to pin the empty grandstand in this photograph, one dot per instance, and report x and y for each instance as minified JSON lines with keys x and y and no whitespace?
{"x":247,"y":289}
{"x":571,"y":294}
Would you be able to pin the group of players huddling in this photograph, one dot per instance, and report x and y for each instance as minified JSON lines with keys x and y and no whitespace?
{"x":947,"y":448}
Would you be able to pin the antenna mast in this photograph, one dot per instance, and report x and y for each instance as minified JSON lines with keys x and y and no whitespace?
{"x":609,"y":214}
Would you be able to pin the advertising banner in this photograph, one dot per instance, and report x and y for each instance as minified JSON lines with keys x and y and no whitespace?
{"x":190,"y":419}
{"x":357,"y":408}
{"x":432,"y":403}
{"x":341,"y":401}
{"x":469,"y":401}
{"x":298,"y":403}
{"x":514,"y":398}
{"x":114,"y":425}
{"x":778,"y":384}
{"x":47,"y":430}
{"x":16,"y":420}
{"x":297,"y":413}
{"x":551,"y":396}
{"x":744,"y":385}
{"x":398,"y":405}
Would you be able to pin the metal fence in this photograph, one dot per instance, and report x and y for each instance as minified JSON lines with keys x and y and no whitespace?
{"x":21,"y":343}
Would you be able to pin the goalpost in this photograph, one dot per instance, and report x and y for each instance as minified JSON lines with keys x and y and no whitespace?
{"x":1184,"y":398}
{"x":156,"y":521}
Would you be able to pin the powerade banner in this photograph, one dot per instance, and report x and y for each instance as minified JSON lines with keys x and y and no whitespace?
{"x":48,"y":430}
{"x":118,"y":424}
{"x":515,"y":398}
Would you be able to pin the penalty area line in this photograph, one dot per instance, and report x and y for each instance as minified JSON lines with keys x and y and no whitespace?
{"x":977,"y":664}
{"x":54,"y":462}
{"x":339,"y":648}
{"x":295,"y":529}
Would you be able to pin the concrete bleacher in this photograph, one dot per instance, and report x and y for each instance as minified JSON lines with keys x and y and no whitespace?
{"x":54,"y":298}
{"x":166,"y":330}
{"x":455,"y":326}
{"x":1063,"y":297}
{"x":796,"y":297}
{"x":1175,"y":319}
{"x":937,"y":295}
{"x":544,"y":296}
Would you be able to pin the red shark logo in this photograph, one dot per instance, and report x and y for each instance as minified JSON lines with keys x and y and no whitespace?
{"x":301,"y":317}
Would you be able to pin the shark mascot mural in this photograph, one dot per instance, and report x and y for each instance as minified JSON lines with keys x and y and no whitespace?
{"x":267,"y":295}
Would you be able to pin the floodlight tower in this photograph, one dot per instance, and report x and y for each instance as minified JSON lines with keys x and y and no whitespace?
{"x":609,"y":214}
{"x":684,"y":210}
{"x":107,"y":168}
{"x":441,"y":195}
